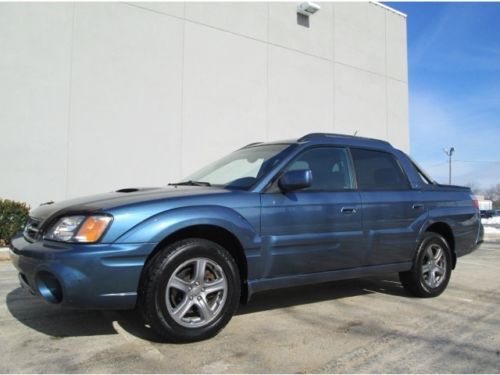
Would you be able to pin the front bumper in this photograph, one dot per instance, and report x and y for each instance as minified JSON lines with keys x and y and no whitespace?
{"x":97,"y":276}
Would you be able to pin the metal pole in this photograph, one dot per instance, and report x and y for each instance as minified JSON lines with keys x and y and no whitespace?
{"x":449,"y":153}
{"x":449,"y":171}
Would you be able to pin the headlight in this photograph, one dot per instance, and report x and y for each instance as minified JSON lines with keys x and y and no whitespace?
{"x":79,"y":228}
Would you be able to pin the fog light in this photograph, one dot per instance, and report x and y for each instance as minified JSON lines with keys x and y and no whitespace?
{"x":49,"y":287}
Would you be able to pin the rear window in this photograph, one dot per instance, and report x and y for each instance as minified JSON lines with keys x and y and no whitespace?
{"x":378,"y":170}
{"x":424,"y":177}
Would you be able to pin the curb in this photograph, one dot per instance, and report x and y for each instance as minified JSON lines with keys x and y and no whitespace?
{"x":4,"y":253}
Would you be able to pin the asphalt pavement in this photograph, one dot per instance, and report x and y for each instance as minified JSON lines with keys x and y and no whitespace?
{"x":366,"y":325}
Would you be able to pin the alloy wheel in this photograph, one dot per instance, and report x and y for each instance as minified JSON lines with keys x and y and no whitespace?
{"x":434,"y":266}
{"x":196,"y":292}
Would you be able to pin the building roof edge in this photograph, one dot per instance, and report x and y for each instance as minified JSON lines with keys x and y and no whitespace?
{"x":388,"y":8}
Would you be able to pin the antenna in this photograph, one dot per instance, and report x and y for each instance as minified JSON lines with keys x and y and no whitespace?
{"x":355,"y":133}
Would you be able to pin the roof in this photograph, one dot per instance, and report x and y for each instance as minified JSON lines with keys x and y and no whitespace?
{"x":325,"y":136}
{"x":329,"y":138}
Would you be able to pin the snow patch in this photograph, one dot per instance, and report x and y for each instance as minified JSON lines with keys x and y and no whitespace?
{"x":491,"y":221}
{"x":491,"y":230}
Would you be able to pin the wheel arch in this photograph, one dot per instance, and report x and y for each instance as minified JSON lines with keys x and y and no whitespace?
{"x":211,"y":232}
{"x":444,"y":230}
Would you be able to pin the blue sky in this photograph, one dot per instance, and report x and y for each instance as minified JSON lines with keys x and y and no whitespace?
{"x":454,"y":88}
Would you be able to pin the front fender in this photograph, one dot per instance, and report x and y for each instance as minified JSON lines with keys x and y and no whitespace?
{"x":158,"y":227}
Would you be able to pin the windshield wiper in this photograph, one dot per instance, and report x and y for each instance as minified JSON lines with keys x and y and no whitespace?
{"x":190,"y":183}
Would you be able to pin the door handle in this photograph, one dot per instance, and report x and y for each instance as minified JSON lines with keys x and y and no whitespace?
{"x":348,"y":210}
{"x":417,"y":206}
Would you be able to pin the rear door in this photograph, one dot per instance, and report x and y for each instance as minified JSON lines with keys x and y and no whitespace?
{"x":315,"y":229}
{"x":392,"y":211}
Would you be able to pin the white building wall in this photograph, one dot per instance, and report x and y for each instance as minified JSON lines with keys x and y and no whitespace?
{"x":100,"y":96}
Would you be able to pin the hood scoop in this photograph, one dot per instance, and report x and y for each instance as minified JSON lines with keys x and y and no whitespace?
{"x":135,"y":190}
{"x":128,"y":190}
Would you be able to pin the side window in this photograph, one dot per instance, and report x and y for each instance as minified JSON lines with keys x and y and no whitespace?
{"x":329,"y":166}
{"x":378,"y":170}
{"x":425,"y":179}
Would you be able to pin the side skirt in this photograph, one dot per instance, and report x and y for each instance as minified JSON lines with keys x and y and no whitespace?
{"x":260,"y":285}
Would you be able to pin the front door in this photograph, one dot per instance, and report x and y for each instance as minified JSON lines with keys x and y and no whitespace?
{"x":318,"y":228}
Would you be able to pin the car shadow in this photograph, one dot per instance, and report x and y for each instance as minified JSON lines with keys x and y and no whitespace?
{"x":302,"y":295}
{"x":58,"y":322}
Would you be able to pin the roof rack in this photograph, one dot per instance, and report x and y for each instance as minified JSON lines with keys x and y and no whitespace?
{"x":313,"y":136}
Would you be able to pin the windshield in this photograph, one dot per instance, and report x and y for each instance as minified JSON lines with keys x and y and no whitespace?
{"x":242,"y":168}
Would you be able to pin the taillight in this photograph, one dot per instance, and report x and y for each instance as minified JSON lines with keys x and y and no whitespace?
{"x":475,"y":202}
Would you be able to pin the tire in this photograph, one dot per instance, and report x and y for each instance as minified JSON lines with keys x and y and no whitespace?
{"x":190,"y":290}
{"x":431,"y":269}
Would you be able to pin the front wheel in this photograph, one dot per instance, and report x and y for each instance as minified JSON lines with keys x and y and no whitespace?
{"x":431,"y":268}
{"x":190,"y":290}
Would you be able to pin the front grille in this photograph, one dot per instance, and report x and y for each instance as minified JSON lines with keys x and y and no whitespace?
{"x":31,"y":229}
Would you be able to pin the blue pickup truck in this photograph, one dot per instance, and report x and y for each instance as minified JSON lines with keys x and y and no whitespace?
{"x":269,"y":215}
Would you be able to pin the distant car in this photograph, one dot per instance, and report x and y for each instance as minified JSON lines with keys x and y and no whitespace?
{"x":269,"y":215}
{"x":487,"y":214}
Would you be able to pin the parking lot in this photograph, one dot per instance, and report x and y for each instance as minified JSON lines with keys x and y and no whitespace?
{"x":368,"y":325}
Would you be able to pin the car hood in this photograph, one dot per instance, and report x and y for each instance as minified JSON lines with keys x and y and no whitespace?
{"x":119,"y":198}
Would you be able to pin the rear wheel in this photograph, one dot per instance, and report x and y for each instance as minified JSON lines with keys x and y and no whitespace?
{"x":431,"y":268}
{"x":190,"y":290}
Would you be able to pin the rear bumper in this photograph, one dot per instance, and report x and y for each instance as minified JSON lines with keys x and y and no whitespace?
{"x":99,"y":276}
{"x":479,"y":238}
{"x":466,"y":247}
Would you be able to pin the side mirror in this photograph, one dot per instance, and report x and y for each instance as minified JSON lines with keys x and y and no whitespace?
{"x":295,"y":180}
